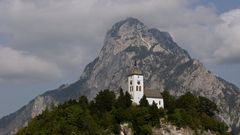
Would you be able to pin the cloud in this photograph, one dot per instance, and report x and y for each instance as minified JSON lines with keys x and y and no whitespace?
{"x":70,"y":33}
{"x":216,"y":41}
{"x":229,"y":32}
{"x":20,"y":66}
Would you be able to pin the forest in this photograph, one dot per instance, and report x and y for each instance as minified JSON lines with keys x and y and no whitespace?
{"x":104,"y":114}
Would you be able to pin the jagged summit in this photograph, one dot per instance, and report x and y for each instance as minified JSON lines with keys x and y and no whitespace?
{"x":129,"y":22}
{"x":132,"y":21}
{"x":131,"y":32}
{"x":164,"y":64}
{"x":136,"y":25}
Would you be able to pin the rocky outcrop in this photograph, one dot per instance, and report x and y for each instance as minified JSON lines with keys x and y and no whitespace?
{"x":125,"y":129}
{"x":165,"y":65}
{"x":11,"y":123}
{"x":169,"y":129}
{"x":165,"y":129}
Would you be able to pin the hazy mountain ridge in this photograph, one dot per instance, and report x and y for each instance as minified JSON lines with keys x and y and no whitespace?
{"x":165,"y":66}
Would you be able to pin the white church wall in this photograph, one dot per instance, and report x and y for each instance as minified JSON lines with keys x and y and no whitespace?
{"x":158,"y":101}
{"x":136,"y":89}
{"x":130,"y":91}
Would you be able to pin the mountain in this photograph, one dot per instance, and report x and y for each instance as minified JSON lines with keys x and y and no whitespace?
{"x":165,"y":65}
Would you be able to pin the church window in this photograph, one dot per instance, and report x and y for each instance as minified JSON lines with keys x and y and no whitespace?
{"x":131,"y":82}
{"x":136,"y":88}
{"x":138,"y":82}
{"x":159,"y":102}
{"x":140,"y":88}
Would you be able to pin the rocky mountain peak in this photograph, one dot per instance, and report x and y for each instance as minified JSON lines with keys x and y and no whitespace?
{"x":133,"y":33}
{"x":123,"y":34}
{"x":129,"y":24}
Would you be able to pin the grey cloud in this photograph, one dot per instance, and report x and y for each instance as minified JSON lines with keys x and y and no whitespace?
{"x":229,"y":31}
{"x":69,"y":33}
{"x":19,"y":66}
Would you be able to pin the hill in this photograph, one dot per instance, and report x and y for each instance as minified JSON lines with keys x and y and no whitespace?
{"x":107,"y":115}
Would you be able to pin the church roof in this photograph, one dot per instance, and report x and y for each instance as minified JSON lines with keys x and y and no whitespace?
{"x":152,"y":93}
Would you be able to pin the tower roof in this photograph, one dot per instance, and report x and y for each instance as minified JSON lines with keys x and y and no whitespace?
{"x":135,"y":70}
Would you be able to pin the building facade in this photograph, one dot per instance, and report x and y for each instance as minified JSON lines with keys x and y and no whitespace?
{"x":136,"y":89}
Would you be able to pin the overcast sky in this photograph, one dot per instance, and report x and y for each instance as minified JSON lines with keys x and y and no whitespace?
{"x":45,"y":43}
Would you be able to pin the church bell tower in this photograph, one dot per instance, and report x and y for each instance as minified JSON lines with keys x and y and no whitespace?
{"x":135,"y":84}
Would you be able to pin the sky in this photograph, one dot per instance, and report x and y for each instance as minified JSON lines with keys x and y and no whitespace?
{"x":47,"y":43}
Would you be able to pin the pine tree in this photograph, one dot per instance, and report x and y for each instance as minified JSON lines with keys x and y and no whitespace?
{"x":83,"y":101}
{"x":169,"y":101}
{"x":124,"y":100}
{"x":105,"y":100}
{"x":120,"y":100}
{"x":154,"y":114}
{"x":144,"y":102}
{"x":128,"y":101}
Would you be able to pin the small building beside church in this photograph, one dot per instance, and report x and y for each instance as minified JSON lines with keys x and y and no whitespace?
{"x":136,"y":89}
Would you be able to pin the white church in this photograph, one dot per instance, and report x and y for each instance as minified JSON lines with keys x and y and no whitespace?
{"x":136,"y":89}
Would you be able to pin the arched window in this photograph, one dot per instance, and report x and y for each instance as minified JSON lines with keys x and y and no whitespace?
{"x":159,"y":102}
{"x":136,"y":88}
{"x":140,"y":88}
{"x":130,"y":82}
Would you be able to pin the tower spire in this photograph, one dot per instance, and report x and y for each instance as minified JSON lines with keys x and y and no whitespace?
{"x":135,"y":70}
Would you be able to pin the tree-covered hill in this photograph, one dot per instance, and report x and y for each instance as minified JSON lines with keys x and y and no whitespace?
{"x":105,"y":113}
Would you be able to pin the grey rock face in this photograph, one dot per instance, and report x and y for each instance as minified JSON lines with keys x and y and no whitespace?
{"x":165,"y":65}
{"x":169,"y":129}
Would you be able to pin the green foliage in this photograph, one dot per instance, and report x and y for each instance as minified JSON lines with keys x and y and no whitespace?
{"x":124,"y":101}
{"x":162,"y":113}
{"x":143,"y":102}
{"x":83,"y":102}
{"x":177,"y":118}
{"x":154,"y":114}
{"x":192,"y":111}
{"x":143,"y":130}
{"x":105,"y":100}
{"x":207,"y":106}
{"x":140,"y":120}
{"x":127,"y":99}
{"x":188,"y":101}
{"x":104,"y":115}
{"x":169,"y":101}
{"x":122,"y":115}
{"x":213,"y":124}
